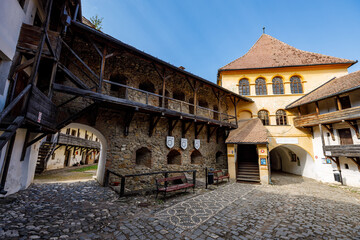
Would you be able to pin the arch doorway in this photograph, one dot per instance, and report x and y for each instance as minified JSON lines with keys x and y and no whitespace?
{"x":78,"y":151}
{"x":292,"y":159}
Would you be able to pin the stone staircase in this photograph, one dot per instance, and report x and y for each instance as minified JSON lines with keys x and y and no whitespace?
{"x":248,"y":172}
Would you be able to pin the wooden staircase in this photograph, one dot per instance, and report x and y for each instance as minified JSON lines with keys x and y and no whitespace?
{"x":46,"y":149}
{"x":248,"y":172}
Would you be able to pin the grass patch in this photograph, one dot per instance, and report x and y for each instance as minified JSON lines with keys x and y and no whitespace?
{"x":86,"y":168}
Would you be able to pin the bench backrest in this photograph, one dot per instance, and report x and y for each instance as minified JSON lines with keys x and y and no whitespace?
{"x":170,"y":179}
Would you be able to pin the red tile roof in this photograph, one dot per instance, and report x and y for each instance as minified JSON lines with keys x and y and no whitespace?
{"x":333,"y":87}
{"x":269,"y":52}
{"x":249,"y":131}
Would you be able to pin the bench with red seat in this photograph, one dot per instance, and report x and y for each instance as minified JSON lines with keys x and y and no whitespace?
{"x":171,"y":184}
{"x":220,"y":176}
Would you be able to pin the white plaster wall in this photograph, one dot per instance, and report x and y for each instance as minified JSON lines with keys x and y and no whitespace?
{"x":351,"y":176}
{"x":20,"y":173}
{"x":11,"y":18}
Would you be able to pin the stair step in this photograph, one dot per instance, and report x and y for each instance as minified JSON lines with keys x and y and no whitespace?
{"x":248,"y":180}
{"x":248,"y":174}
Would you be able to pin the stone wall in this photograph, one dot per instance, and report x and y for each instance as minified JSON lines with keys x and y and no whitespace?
{"x":121,"y":150}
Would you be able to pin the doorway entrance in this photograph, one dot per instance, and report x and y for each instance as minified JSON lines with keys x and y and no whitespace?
{"x":247,"y":163}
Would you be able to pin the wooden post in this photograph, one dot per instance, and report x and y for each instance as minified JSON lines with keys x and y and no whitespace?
{"x":299,"y":110}
{"x":163,"y":93}
{"x":6,"y":164}
{"x":103,"y":58}
{"x":317,"y":108}
{"x":338,"y":103}
{"x":322,"y":138}
{"x":122,"y":187}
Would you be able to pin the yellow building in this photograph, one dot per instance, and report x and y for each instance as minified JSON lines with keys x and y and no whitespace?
{"x":274,"y":74}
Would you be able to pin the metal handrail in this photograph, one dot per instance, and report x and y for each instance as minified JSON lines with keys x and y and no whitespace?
{"x":122,"y":183}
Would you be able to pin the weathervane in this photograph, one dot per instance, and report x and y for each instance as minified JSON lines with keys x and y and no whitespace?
{"x":263,"y":29}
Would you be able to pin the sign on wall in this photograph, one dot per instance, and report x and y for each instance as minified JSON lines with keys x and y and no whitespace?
{"x":287,"y":140}
{"x":262,"y":161}
{"x":183,"y":143}
{"x":197,"y":144}
{"x":170,"y":141}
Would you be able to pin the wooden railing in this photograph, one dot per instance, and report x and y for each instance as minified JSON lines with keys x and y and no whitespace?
{"x":70,"y":140}
{"x":326,"y":118}
{"x":342,"y":150}
{"x":149,"y":98}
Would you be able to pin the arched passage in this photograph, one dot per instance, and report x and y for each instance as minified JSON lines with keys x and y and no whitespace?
{"x":292,"y":159}
{"x":103,"y":147}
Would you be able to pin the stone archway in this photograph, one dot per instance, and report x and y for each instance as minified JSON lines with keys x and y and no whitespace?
{"x":100,"y":174}
{"x":292,"y":159}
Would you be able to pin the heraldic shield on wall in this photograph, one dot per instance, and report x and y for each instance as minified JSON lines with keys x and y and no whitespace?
{"x":170,"y":141}
{"x":197,"y":144}
{"x":184,"y":143}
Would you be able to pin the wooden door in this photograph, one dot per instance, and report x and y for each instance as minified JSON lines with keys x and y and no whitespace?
{"x":345,"y":136}
{"x":67,"y":158}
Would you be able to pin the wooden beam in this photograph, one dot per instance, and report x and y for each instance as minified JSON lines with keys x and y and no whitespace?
{"x":24,"y":65}
{"x":48,"y":43}
{"x":338,"y":102}
{"x":354,"y":126}
{"x":330,"y":130}
{"x":73,"y":78}
{"x":102,"y":69}
{"x":153,"y":121}
{"x":172,"y":124}
{"x":128,"y":119}
{"x":317,"y":108}
{"x":198,"y":128}
{"x":210,"y":132}
{"x":184,"y":128}
{"x":80,"y":60}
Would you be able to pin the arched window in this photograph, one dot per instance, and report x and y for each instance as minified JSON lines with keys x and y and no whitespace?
{"x":203,"y":103}
{"x":260,"y":86}
{"x":296,"y":85}
{"x":219,"y":157}
{"x":174,"y":157}
{"x":116,"y":90}
{"x":244,"y":88}
{"x":264,"y":117}
{"x":143,"y":157}
{"x":278,"y":86}
{"x":179,"y":95}
{"x":196,"y":157}
{"x":147,"y":86}
{"x":281,"y":117}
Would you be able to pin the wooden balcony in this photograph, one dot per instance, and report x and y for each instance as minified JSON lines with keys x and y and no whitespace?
{"x":29,"y":40}
{"x":144,"y":101}
{"x":69,"y":140}
{"x":326,"y":118}
{"x":342,"y":150}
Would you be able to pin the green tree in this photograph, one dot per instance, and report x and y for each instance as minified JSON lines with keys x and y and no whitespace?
{"x":97,"y":22}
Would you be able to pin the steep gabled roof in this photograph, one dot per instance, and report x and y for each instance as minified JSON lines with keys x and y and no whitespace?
{"x":333,"y":87}
{"x":249,"y":131}
{"x":269,"y":52}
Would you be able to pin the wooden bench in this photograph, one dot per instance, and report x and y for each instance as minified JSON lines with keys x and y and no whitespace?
{"x":176,"y":183}
{"x":219,"y":176}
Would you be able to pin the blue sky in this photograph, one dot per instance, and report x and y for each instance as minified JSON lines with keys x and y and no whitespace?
{"x":204,"y":35}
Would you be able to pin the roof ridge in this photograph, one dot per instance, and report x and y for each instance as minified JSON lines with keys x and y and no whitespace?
{"x":247,"y":51}
{"x":270,"y":52}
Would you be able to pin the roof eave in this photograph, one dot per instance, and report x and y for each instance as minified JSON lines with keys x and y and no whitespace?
{"x":322,"y":98}
{"x":304,"y":65}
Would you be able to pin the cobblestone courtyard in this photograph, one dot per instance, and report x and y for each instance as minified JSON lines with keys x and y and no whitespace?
{"x":293,"y":208}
